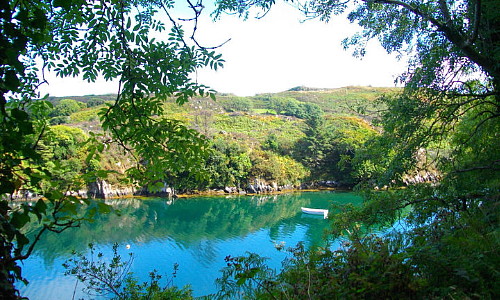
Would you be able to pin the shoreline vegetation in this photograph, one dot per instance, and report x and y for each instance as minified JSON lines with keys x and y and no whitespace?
{"x":296,"y":140}
{"x":264,"y":143}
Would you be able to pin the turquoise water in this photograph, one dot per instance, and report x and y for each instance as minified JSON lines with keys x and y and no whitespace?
{"x":195,"y":233}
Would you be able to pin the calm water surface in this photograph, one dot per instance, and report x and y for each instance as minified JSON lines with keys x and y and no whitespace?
{"x":196,"y":233}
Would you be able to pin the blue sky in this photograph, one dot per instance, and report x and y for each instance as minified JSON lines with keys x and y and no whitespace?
{"x":273,"y":54}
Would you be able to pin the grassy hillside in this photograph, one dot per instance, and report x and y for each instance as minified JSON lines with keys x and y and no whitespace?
{"x":287,"y":137}
{"x":343,"y":100}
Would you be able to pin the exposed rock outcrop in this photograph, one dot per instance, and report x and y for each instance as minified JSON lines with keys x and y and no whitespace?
{"x":103,"y":190}
{"x":421,"y":177}
{"x":320,"y":184}
{"x":260,"y":187}
{"x":165,"y":191}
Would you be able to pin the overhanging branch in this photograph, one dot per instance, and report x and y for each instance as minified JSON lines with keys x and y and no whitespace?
{"x":493,"y":166}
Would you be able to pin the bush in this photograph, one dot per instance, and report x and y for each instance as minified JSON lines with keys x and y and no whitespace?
{"x":103,"y":278}
{"x":86,"y":115}
{"x":66,"y":107}
{"x":369,"y":268}
{"x":236,"y":104}
{"x":95,"y":102}
{"x":273,"y":167}
{"x":59,"y":120}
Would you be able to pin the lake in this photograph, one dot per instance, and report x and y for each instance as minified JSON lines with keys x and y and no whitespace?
{"x":195,"y":233}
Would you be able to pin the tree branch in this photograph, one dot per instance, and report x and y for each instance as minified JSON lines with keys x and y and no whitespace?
{"x":446,"y":12}
{"x":475,"y":24}
{"x":453,"y":35}
{"x":31,"y":247}
{"x":490,"y":167}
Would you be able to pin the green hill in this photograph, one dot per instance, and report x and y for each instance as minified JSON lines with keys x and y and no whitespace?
{"x":298,"y":135}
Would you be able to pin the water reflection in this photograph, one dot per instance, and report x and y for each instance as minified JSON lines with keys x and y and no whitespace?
{"x":197,"y":233}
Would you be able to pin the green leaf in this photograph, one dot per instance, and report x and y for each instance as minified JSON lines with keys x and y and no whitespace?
{"x":102,"y":173}
{"x":54,"y":195}
{"x":18,"y":219}
{"x":21,"y":240}
{"x":62,"y":3}
{"x":40,"y":209}
{"x":90,"y":156}
{"x":241,"y":280}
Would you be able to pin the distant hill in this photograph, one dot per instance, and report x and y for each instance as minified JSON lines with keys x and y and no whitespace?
{"x":249,"y":117}
{"x":345,"y":101}
{"x":338,"y":100}
{"x":85,"y":99}
{"x":286,"y":137}
{"x":327,"y":99}
{"x":304,"y":88}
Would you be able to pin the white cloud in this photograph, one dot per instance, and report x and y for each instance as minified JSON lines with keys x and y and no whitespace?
{"x":75,"y":86}
{"x":279,"y":52}
{"x":273,"y":54}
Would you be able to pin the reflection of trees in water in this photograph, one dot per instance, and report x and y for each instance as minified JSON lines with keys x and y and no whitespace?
{"x":313,"y":226}
{"x":226,"y":218}
{"x":262,"y":199}
{"x":121,"y":203}
{"x":190,"y":222}
{"x":195,"y":223}
{"x":205,"y":250}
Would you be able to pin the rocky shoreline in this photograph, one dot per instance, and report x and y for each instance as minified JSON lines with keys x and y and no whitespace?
{"x":103,"y":190}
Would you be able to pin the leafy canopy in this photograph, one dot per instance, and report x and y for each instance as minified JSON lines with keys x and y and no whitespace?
{"x":118,"y":39}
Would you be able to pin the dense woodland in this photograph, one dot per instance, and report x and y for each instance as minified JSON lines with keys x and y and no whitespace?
{"x":427,"y":154}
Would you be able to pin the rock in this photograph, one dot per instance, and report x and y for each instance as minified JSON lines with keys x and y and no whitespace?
{"x":104,"y":190}
{"x":251,"y":189}
{"x":230,"y":189}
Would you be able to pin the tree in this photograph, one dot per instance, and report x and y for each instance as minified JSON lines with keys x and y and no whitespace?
{"x":270,"y":166}
{"x":293,"y":108}
{"x":95,"y":102}
{"x":63,"y":153}
{"x":92,"y":39}
{"x":229,"y":163}
{"x":66,"y":107}
{"x":237,"y":104}
{"x":279,"y":104}
{"x":313,"y":114}
{"x":445,"y":120}
{"x":328,"y":150}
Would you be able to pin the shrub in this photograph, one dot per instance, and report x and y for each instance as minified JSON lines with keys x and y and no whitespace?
{"x":103,"y":278}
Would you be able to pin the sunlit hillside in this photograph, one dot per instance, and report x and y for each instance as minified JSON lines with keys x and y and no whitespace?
{"x":298,"y":135}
